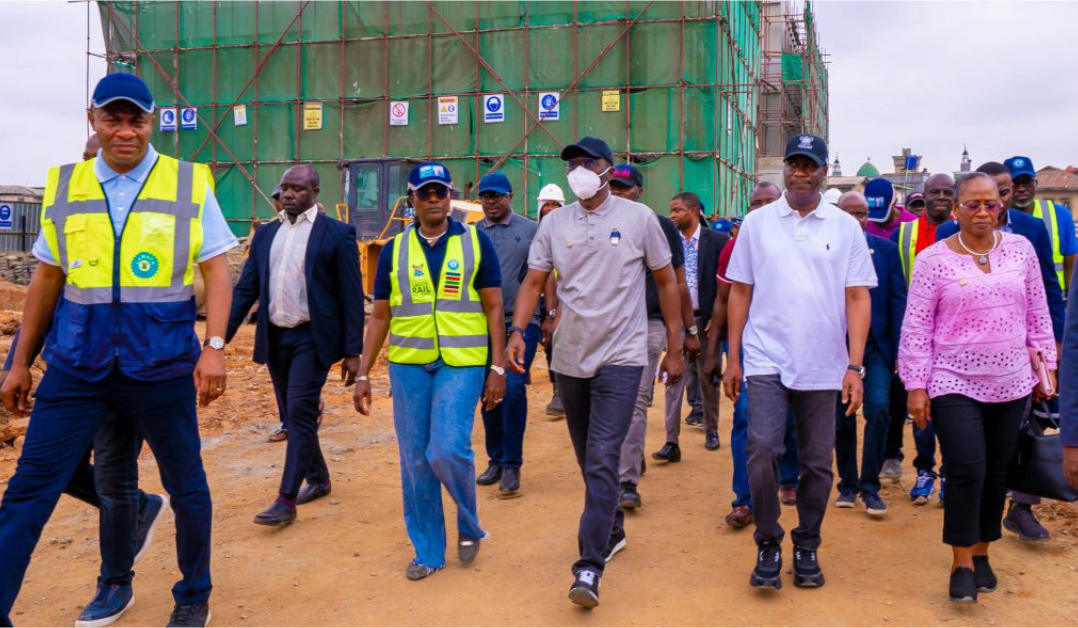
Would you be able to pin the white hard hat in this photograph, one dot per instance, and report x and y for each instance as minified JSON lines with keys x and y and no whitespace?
{"x":551,"y":192}
{"x":832,"y":195}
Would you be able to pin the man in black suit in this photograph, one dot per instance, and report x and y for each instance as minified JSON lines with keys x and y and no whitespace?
{"x":304,"y":272}
{"x":701,"y":247}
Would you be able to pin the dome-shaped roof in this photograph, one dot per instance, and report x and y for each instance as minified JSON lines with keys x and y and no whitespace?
{"x":868,"y":170}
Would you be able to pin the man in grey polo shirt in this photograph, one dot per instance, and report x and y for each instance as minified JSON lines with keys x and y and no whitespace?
{"x":504,"y":425}
{"x":600,"y":247}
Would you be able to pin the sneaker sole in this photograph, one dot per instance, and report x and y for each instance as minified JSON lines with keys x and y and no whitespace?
{"x":986,"y":589}
{"x":1016,"y":530}
{"x":583,"y":596}
{"x":153,"y":526}
{"x":106,"y":621}
{"x":757,"y":581}
{"x":964,"y":600}
{"x":844,"y":504}
{"x":614,"y":551}
{"x":919,"y":500}
{"x":876,"y":514}
{"x":808,"y":582}
{"x":630,"y":504}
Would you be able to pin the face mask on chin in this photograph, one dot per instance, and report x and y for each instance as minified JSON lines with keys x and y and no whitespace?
{"x":584,"y":183}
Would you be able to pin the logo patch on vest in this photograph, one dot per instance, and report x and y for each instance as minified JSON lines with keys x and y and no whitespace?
{"x":454,"y":264}
{"x":417,"y":270}
{"x":144,"y":265}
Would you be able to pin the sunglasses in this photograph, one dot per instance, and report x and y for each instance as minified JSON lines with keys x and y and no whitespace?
{"x":587,"y":162}
{"x":992,"y":207}
{"x":433,"y":189}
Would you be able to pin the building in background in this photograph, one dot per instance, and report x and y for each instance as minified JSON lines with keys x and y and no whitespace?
{"x":1059,"y":185}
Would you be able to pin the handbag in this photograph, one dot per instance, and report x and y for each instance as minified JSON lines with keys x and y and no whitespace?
{"x":1038,"y":465}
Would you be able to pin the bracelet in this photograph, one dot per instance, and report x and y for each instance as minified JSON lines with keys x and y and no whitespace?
{"x":363,"y":378}
{"x":511,"y":330}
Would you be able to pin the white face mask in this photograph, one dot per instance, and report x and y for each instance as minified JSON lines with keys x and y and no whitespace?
{"x":584,"y":183}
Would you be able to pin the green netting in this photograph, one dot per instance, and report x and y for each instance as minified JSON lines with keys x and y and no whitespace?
{"x":791,"y":66}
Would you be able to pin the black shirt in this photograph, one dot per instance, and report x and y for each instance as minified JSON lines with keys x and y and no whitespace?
{"x":677,"y":260}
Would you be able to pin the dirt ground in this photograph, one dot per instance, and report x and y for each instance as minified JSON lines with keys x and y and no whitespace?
{"x":343,"y":561}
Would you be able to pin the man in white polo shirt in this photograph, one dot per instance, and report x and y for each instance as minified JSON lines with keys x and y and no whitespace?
{"x":801,"y":272}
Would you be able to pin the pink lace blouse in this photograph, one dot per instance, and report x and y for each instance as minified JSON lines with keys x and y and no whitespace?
{"x":966,"y":332}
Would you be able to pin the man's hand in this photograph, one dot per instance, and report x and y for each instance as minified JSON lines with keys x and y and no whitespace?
{"x":494,"y":391}
{"x":920,"y":407}
{"x":514,"y":352}
{"x":350,"y":370}
{"x":712,"y":367}
{"x":853,"y":392}
{"x":1070,"y":465}
{"x":692,"y":346}
{"x":210,"y":378}
{"x":361,"y":397}
{"x":16,"y":390}
{"x":731,"y":381}
{"x":550,"y":323}
{"x":673,"y":368}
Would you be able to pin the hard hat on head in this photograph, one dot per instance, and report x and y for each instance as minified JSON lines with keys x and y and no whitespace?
{"x":551,"y":192}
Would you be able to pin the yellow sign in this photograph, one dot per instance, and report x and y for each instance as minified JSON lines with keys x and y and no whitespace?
{"x":611,"y":100}
{"x":312,"y":116}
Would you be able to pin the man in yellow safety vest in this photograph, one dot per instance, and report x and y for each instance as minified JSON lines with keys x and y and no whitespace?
{"x":1057,"y":218}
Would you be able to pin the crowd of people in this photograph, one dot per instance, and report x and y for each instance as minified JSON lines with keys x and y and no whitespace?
{"x":948,"y":312}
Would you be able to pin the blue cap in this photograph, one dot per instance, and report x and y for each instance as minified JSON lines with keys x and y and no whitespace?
{"x":811,"y":146}
{"x":879,"y":193}
{"x":1020,"y":166}
{"x":627,"y":175}
{"x":429,"y":172}
{"x":723,"y":225}
{"x":495,"y":182}
{"x":123,"y":86}
{"x":737,"y":220}
{"x":588,"y":147}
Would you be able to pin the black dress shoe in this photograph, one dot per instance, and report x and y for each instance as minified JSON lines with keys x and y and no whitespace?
{"x":279,"y":514}
{"x":711,"y":441}
{"x":190,"y":615}
{"x":510,"y":481}
{"x":311,"y":492}
{"x":670,"y":452}
{"x":490,"y":476}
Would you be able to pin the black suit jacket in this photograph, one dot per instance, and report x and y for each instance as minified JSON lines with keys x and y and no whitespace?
{"x":707,"y":265}
{"x":334,"y":290}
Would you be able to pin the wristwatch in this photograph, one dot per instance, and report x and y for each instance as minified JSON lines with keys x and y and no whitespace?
{"x":215,"y":342}
{"x":860,"y":370}
{"x":509,"y":332}
{"x":552,"y":312}
{"x":498,"y":369}
{"x":692,"y":331}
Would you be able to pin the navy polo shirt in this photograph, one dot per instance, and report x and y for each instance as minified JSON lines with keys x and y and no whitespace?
{"x":488,"y":275}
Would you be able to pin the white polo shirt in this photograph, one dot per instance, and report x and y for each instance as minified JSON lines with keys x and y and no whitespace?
{"x":799,"y":269}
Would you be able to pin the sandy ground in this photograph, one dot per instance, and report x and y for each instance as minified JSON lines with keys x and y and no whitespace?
{"x":343,"y":562}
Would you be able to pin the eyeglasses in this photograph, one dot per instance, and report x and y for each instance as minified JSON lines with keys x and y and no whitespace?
{"x":491,"y":197}
{"x":438,"y":191}
{"x":992,"y":207}
{"x":587,"y":162}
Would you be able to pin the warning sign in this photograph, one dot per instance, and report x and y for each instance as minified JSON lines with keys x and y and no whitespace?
{"x":611,"y":100}
{"x":6,"y":217}
{"x":239,"y":115}
{"x":189,"y":118}
{"x":448,"y":110}
{"x":398,"y":113}
{"x":494,"y":108}
{"x":549,"y":105}
{"x":168,"y":120}
{"x":312,"y":116}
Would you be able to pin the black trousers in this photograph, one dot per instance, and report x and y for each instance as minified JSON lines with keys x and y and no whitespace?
{"x":298,"y":379}
{"x":898,"y":419}
{"x":978,"y":441}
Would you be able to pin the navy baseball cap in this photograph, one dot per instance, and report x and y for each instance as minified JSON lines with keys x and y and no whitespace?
{"x":429,"y":172}
{"x":628,"y":176}
{"x":276,"y":192}
{"x":123,"y":86}
{"x":1020,"y":166}
{"x":916,"y":197}
{"x":737,"y":220}
{"x":879,"y":193}
{"x":811,"y":146}
{"x":495,"y":182}
{"x":588,"y":147}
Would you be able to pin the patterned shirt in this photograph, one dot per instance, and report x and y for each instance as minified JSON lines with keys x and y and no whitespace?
{"x":692,"y":257}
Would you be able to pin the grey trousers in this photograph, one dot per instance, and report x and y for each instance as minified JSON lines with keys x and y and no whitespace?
{"x":814,"y":423}
{"x":632,"y":450}
{"x":709,"y":393}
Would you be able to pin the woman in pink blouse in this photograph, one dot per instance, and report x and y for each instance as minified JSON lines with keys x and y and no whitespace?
{"x":976,"y":312}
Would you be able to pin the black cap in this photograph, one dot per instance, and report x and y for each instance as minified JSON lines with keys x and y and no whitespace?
{"x":588,"y":147}
{"x":810,"y":146}
{"x":627,"y":175}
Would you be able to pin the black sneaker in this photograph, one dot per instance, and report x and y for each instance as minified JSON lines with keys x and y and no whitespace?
{"x":768,"y":572}
{"x":630,"y":497}
{"x":983,"y":576}
{"x":807,"y":572}
{"x":585,"y":589}
{"x":963,"y":587}
{"x":616,"y":543}
{"x":1021,"y":520}
{"x":190,"y":615}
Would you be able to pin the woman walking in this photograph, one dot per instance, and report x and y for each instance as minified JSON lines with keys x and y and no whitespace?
{"x":976,"y":323}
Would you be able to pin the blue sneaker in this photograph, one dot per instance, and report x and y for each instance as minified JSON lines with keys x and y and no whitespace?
{"x":943,"y":483}
{"x":846,"y":499}
{"x":874,"y":506}
{"x":153,"y":511}
{"x":109,"y":604}
{"x":922,"y":490}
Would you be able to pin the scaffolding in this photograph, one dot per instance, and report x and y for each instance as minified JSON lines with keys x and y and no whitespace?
{"x":679,"y":81}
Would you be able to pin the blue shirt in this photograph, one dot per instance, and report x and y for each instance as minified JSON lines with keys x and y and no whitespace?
{"x":1068,"y":241}
{"x":121,"y":191}
{"x":488,"y":275}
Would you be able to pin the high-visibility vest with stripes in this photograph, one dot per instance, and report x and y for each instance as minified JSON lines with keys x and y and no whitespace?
{"x":907,"y":247}
{"x":448,"y":323}
{"x":129,"y":297}
{"x":1052,"y":223}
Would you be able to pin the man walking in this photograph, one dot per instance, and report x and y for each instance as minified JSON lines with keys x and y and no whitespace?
{"x":550,"y":198}
{"x":801,"y":274}
{"x":504,"y":425}
{"x":304,"y":272}
{"x":120,"y":236}
{"x":600,"y":246}
{"x":881,"y":350}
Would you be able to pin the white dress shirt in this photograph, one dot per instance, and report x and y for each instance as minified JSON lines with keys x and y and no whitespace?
{"x":288,"y":280}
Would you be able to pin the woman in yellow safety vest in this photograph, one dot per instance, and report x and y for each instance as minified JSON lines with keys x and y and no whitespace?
{"x":437,"y":294}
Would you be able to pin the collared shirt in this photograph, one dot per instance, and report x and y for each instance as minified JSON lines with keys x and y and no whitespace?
{"x":600,"y":257}
{"x":487,"y":275}
{"x":691,"y":247}
{"x":512,"y":237}
{"x":799,"y":269}
{"x":288,"y":305}
{"x":121,"y":191}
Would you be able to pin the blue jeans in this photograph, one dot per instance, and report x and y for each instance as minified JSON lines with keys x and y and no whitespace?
{"x":877,"y":387}
{"x":505,"y":424}
{"x":433,"y":412}
{"x":739,"y":442}
{"x":925,"y":440}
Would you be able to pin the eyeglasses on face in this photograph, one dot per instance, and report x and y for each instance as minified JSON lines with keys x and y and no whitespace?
{"x":492,"y":197}
{"x":992,"y":207}
{"x":432,"y":189}
{"x":587,"y":162}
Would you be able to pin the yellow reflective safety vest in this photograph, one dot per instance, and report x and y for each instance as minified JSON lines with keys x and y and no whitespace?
{"x":129,"y":298}
{"x":1051,"y":221}
{"x":449,"y":322}
{"x":907,"y":247}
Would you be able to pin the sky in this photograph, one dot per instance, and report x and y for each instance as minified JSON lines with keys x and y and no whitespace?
{"x":998,"y":77}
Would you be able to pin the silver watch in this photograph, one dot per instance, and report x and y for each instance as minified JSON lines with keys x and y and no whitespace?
{"x":498,"y":369}
{"x":692,"y":331}
{"x":216,"y":342}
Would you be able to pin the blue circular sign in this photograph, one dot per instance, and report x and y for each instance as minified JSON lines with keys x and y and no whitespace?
{"x":549,"y":102}
{"x":5,"y":212}
{"x":188,"y":115}
{"x":168,"y":116}
{"x":144,"y":265}
{"x":494,"y":103}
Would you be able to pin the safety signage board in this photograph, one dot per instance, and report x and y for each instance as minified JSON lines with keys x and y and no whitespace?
{"x":398,"y":113}
{"x":494,"y":108}
{"x":611,"y":100}
{"x":188,"y":118}
{"x":312,"y":116}
{"x":448,"y":110}
{"x":549,"y":105}
{"x":239,"y":115}
{"x":5,"y":217}
{"x":168,"y":120}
